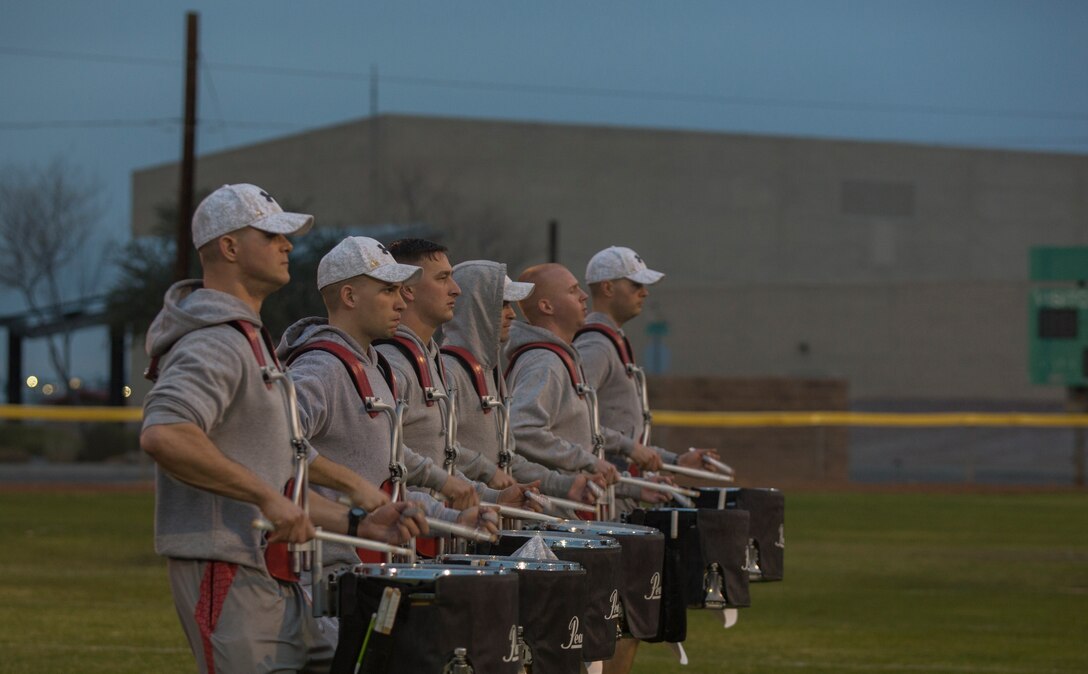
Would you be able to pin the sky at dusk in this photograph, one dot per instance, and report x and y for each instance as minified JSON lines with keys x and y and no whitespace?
{"x":100,"y":84}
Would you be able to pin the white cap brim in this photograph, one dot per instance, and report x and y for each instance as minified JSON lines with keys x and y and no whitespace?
{"x":288,"y":224}
{"x":646,"y":277}
{"x":515,"y":291}
{"x":396,"y":273}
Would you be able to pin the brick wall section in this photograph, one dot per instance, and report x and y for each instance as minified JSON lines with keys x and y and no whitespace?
{"x":762,"y":457}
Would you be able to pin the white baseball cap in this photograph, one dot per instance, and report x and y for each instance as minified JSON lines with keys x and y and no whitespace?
{"x":232,"y":207}
{"x":363,"y":256}
{"x":516,"y":291}
{"x":618,"y":262}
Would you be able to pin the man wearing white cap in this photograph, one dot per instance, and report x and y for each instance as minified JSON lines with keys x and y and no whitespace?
{"x":619,"y":281}
{"x":360,"y":284}
{"x":220,"y":437}
{"x":471,"y":344}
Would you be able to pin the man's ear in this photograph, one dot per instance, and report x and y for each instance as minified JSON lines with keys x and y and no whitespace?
{"x":607,"y":289}
{"x":347,"y":296}
{"x":545,"y":306}
{"x":407,"y":293}
{"x":228,"y":247}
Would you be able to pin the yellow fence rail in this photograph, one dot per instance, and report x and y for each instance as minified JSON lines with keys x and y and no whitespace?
{"x":669,"y":418}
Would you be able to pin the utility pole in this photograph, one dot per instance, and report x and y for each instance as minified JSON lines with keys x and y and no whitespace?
{"x":188,"y":151}
{"x":553,"y":241}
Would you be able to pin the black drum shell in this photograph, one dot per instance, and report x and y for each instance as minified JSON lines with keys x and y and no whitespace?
{"x":643,"y":558}
{"x":704,"y":536}
{"x":427,"y":630}
{"x":548,"y":600}
{"x":767,"y":522}
{"x":603,"y":575}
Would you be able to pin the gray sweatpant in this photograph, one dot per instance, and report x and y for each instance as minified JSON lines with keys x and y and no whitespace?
{"x":240,"y":619}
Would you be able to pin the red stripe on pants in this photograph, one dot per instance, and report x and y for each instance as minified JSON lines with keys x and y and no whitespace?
{"x":213,"y":594}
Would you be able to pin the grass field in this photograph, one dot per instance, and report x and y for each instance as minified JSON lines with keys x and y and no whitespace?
{"x":875,"y":582}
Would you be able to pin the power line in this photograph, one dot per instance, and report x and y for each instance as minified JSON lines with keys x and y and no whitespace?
{"x":169,"y":123}
{"x":567,"y":90}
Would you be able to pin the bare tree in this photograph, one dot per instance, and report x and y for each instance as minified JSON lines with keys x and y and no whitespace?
{"x":47,"y":216}
{"x":416,"y":195}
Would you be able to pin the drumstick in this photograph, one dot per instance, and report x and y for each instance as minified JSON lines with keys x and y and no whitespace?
{"x":553,"y":501}
{"x":459,"y":530}
{"x":329,"y":537}
{"x":657,"y":486}
{"x":511,"y":511}
{"x":723,"y":467}
{"x":695,"y":472}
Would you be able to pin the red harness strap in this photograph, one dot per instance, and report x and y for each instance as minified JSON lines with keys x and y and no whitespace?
{"x":354,"y":367}
{"x":572,"y":367}
{"x":252,"y":334}
{"x":418,"y":359}
{"x":619,"y":340}
{"x":475,"y":370}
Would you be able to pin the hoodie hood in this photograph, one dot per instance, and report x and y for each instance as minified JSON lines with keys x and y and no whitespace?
{"x":189,"y":306}
{"x":307,"y":330}
{"x":522,"y":333}
{"x":477,"y":317}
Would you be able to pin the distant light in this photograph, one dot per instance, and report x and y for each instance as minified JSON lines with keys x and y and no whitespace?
{"x":48,"y":389}
{"x":126,"y":391}
{"x":74,"y":383}
{"x":32,"y":381}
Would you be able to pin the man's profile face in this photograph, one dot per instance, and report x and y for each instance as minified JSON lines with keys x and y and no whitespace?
{"x":262,"y":257}
{"x":434,"y":296}
{"x":378,"y":307}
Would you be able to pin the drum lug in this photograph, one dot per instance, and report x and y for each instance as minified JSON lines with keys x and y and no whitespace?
{"x":751,"y":561}
{"x":459,"y":663}
{"x":712,"y":585}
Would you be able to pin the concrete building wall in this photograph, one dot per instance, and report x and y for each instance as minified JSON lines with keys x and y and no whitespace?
{"x":902,"y":269}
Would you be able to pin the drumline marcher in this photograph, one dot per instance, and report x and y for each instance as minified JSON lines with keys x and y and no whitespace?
{"x":217,"y":427}
{"x":618,"y":278}
{"x":335,"y":369}
{"x":551,"y":417}
{"x":471,"y":353}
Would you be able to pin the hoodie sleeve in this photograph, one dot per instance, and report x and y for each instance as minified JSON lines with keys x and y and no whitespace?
{"x":313,"y":403}
{"x":474,"y":464}
{"x":597,"y":359}
{"x":537,"y":395}
{"x":199,"y":379}
{"x":422,"y":472}
{"x":552,"y":483}
{"x":432,"y":507}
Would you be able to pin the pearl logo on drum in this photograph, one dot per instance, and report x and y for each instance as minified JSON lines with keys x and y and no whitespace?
{"x":513,"y":655}
{"x":576,"y":637}
{"x":615,"y":611}
{"x":781,"y":542}
{"x":655,"y":587}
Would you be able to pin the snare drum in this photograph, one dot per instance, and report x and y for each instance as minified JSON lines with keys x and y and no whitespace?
{"x":439,"y":610}
{"x":643,"y":556}
{"x":704,"y":562}
{"x":551,"y":599}
{"x":766,"y":529}
{"x":601,"y":557}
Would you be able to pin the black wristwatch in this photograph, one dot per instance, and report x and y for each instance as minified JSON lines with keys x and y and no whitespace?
{"x":355,"y":515}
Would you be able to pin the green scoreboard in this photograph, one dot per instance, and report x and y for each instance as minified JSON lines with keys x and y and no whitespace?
{"x":1058,"y":316}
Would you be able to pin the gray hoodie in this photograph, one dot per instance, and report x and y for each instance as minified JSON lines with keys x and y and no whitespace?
{"x":424,"y":427}
{"x":335,"y":421}
{"x":209,"y":376}
{"x":476,"y":327}
{"x":620,"y":402}
{"x":549,"y":421}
